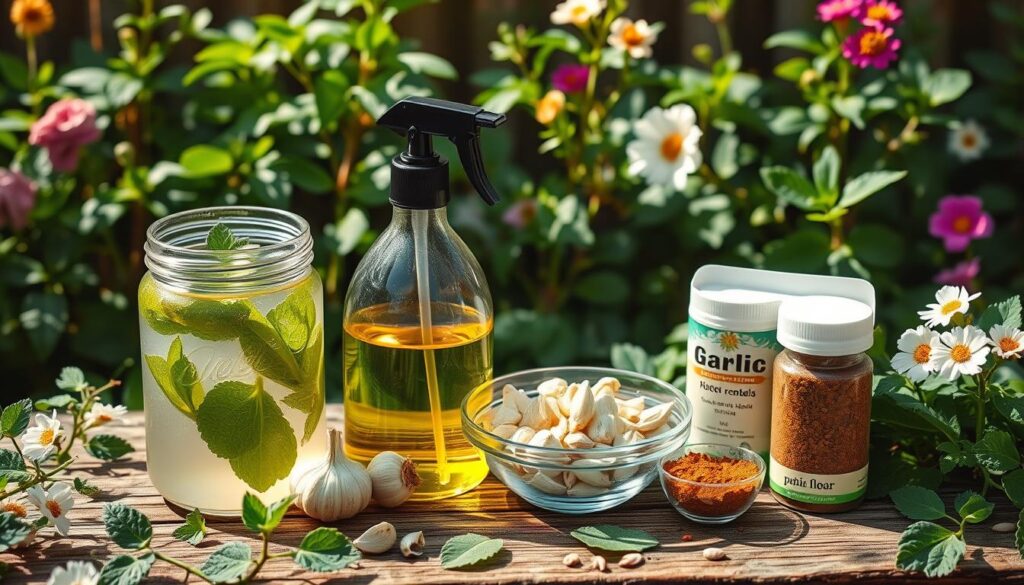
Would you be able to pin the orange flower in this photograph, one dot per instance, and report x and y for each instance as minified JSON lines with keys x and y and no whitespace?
{"x":550,"y":106}
{"x":32,"y":17}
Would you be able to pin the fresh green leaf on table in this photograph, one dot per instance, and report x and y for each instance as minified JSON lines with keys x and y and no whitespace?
{"x":614,"y":538}
{"x":126,"y":570}
{"x":1013,"y":484}
{"x":230,"y":562}
{"x":929,"y":548}
{"x":324,"y":550}
{"x":259,"y":517}
{"x":469,"y":549}
{"x":85,"y":488}
{"x":973,"y":508}
{"x":193,"y":530}
{"x":15,"y":418}
{"x":108,"y":447}
{"x":128,"y":527}
{"x":918,"y":503}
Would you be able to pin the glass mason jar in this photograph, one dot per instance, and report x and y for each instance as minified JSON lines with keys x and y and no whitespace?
{"x":232,"y":357}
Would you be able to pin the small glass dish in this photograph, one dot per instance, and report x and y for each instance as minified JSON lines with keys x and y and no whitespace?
{"x":627,"y":469}
{"x":712,"y":503}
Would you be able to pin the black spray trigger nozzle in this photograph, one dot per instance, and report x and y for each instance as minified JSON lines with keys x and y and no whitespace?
{"x":418,"y":119}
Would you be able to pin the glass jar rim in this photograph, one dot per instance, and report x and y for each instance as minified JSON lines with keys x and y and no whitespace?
{"x":176,"y":255}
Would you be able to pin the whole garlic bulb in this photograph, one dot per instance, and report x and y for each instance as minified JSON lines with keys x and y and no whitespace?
{"x":334,"y":488}
{"x":394,"y":478}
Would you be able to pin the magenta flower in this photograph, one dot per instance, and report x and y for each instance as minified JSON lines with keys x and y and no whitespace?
{"x":879,"y":13}
{"x":17,"y":198}
{"x":871,"y":47}
{"x":64,"y":129}
{"x":570,"y":78}
{"x":959,"y":220}
{"x":833,"y":10}
{"x":963,"y":274}
{"x":520,"y":214}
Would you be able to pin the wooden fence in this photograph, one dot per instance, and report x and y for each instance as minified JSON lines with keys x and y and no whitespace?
{"x":459,"y":30}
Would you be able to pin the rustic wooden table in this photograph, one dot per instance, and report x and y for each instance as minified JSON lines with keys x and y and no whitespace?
{"x":770,"y":544}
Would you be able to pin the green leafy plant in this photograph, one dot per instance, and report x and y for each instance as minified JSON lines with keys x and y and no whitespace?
{"x":322,"y":550}
{"x":929,"y":547}
{"x":469,"y":549}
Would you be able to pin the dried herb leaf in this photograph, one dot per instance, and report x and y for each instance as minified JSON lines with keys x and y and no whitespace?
{"x":469,"y":549}
{"x":614,"y":538}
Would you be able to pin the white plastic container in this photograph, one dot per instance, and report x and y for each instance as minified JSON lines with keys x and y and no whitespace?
{"x":732,"y":347}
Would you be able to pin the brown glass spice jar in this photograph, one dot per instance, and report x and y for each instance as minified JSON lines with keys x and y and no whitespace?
{"x":821,"y":405}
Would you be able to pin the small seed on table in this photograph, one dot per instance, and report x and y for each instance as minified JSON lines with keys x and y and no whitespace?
{"x":715,"y":554}
{"x":628,"y":561}
{"x":598,"y":563}
{"x":1004,"y":527}
{"x":572,"y":560}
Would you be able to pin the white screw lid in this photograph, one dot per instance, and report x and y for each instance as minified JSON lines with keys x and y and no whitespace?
{"x":826,"y":326}
{"x":735,"y":309}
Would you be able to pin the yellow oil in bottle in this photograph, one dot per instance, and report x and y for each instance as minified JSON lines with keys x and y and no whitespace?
{"x":388,"y":373}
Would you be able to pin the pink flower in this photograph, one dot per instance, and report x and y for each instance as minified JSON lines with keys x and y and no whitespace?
{"x":871,"y":47}
{"x":831,"y":10}
{"x":64,"y":129}
{"x":520,"y":214}
{"x":17,"y":197}
{"x":960,"y":275}
{"x":959,"y":220}
{"x":879,"y":13}
{"x":570,"y":78}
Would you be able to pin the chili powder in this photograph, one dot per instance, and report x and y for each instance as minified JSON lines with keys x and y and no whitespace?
{"x":708,"y":499}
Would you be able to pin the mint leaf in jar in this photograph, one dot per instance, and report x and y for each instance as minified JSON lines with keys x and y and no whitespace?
{"x":222,"y":238}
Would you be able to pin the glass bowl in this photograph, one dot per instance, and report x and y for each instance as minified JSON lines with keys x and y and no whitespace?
{"x":712,"y":503}
{"x":538,"y":474}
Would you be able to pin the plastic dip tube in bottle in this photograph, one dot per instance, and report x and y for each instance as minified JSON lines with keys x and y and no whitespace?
{"x":731,"y":349}
{"x":821,"y":404}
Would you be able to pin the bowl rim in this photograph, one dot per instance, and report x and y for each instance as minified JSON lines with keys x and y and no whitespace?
{"x":749,"y":455}
{"x":680,"y":428}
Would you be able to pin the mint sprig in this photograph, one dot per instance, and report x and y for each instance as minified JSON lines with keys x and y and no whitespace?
{"x":322,"y":550}
{"x":220,"y":237}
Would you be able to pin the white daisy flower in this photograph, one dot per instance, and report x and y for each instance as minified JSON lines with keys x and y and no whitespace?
{"x":666,"y":148}
{"x":962,"y":352}
{"x":101,"y":414}
{"x":54,"y":504}
{"x":40,"y":441}
{"x":578,"y":12}
{"x":75,"y":573}
{"x":1008,"y":341}
{"x":635,"y":38}
{"x":915,"y":358}
{"x":968,"y":141}
{"x":15,"y":505}
{"x":950,"y":300}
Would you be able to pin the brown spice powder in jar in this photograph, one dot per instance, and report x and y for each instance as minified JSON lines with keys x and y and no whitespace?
{"x":821,"y":416}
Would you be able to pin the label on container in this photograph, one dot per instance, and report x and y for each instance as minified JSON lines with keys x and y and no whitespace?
{"x":729,"y":384}
{"x":817,"y":488}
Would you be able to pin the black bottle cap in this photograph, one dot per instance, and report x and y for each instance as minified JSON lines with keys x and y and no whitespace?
{"x":419,"y":176}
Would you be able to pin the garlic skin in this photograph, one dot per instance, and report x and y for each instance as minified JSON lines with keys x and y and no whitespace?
{"x":393,"y":477}
{"x":333,"y":489}
{"x":412,"y":544}
{"x":377,"y":539}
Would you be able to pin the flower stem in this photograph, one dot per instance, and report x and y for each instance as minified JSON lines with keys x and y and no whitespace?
{"x":40,"y":478}
{"x":191,"y":570}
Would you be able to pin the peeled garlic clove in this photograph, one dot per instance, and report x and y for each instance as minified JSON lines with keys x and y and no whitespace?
{"x":333,"y":488}
{"x":715,"y":554}
{"x":606,"y":404}
{"x":394,"y":478}
{"x":539,"y":414}
{"x":546,"y":484}
{"x":630,"y":409}
{"x":377,"y":539}
{"x":572,"y":560}
{"x":607,"y":385}
{"x":569,"y":479}
{"x":412,"y":544}
{"x":553,"y":387}
{"x":505,"y":431}
{"x":522,"y":435}
{"x":662,"y":429}
{"x":506,"y":414}
{"x":561,"y":429}
{"x":515,"y":398}
{"x":599,"y":563}
{"x":585,"y":490}
{"x":578,"y":441}
{"x":630,"y":560}
{"x":594,"y":477}
{"x":653,"y":417}
{"x":603,"y":428}
{"x":627,"y":438}
{"x":581,"y":410}
{"x":565,"y":400}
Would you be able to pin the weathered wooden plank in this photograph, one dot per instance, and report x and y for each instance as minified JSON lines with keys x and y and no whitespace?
{"x":770,"y":544}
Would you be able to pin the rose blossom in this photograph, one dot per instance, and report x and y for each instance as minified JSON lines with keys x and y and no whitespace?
{"x":64,"y":129}
{"x":570,"y":78}
{"x":960,"y":275}
{"x":17,"y":197}
{"x":960,"y":219}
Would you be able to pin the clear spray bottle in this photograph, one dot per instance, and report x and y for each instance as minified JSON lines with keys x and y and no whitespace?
{"x":418,"y":314}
